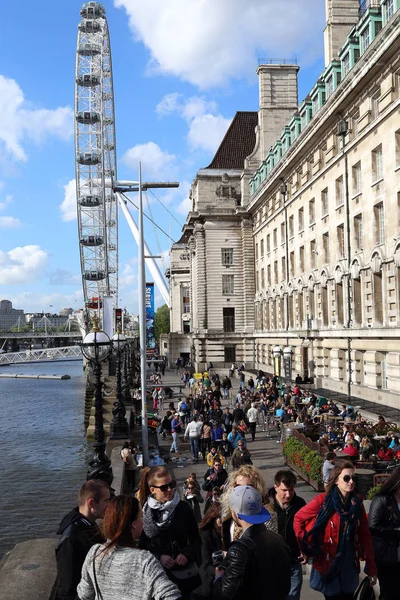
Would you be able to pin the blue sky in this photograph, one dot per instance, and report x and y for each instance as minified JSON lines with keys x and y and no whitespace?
{"x":182,"y":68}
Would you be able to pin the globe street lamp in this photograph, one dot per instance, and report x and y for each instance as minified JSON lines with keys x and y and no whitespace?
{"x":119,"y":427}
{"x":96,"y":346}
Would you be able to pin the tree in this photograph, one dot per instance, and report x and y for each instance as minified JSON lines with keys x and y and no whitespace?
{"x":161,"y":321}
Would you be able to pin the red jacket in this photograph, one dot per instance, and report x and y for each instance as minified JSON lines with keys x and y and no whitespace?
{"x":386,"y":454}
{"x":303,"y":521}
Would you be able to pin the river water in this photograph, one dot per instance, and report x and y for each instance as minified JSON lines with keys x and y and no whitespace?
{"x":43,"y":449}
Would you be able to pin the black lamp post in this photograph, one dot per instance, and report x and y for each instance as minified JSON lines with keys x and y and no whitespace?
{"x":119,"y":427}
{"x":96,"y":347}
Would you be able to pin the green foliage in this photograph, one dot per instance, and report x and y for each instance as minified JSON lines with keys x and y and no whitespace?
{"x":373,"y":491}
{"x":161,"y":321}
{"x":306,"y":460}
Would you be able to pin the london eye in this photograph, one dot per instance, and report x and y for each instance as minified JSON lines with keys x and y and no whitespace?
{"x":95,"y":159}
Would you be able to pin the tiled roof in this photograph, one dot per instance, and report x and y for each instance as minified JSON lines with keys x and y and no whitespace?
{"x":238,"y":143}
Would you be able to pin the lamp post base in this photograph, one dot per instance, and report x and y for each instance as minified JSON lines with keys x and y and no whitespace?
{"x":119,"y":430}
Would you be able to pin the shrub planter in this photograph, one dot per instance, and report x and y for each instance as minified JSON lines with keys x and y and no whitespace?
{"x":317,"y":485}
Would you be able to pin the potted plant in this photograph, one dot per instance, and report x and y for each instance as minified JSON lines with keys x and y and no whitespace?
{"x":307,"y":463}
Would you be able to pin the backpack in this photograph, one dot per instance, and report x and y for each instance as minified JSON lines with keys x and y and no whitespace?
{"x":184,"y":407}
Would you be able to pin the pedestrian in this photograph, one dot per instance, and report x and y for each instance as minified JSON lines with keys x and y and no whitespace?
{"x":245,"y":475}
{"x":192,"y":496}
{"x":252,"y":416}
{"x":205,"y":438}
{"x":214,"y":497}
{"x":241,"y":456}
{"x":175,"y":430}
{"x":384,"y":524}
{"x":225,"y":449}
{"x":327,"y":467}
{"x":332,"y":529}
{"x":286,"y":504}
{"x":170,"y":530}
{"x":116,"y":570}
{"x":234,"y":437}
{"x":211,"y":543}
{"x":193,"y":432}
{"x":215,"y":476}
{"x":79,"y":533}
{"x":130,"y":464}
{"x":227,"y":420}
{"x":213,"y":454}
{"x":258,"y":552}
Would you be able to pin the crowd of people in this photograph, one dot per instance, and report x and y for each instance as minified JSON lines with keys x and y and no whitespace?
{"x":229,"y":534}
{"x":251,"y":541}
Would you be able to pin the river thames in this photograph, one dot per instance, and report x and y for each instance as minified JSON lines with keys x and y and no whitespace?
{"x":43,"y":449}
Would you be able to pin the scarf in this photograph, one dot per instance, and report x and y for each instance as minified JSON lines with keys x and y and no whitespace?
{"x":157,"y":515}
{"x":348,"y":512}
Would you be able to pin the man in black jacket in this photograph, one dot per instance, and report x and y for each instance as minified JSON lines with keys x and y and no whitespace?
{"x":257,"y":565}
{"x":286,"y":504}
{"x":214,"y":477}
{"x":79,"y":533}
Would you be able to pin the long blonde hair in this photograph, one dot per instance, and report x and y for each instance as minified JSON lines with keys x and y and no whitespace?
{"x":256,"y":481}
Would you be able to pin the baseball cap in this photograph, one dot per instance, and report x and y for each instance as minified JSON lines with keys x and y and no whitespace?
{"x":246,"y":502}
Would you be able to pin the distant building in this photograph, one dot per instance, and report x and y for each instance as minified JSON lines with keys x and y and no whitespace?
{"x":10,"y":316}
{"x":298,"y":247}
{"x":65,"y":312}
{"x":45,"y":321}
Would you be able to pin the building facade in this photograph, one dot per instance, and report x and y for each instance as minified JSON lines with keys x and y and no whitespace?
{"x":320,"y":194}
{"x":10,"y":316}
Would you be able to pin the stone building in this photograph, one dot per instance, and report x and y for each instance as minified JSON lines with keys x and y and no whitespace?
{"x":10,"y":316}
{"x":320,"y":205}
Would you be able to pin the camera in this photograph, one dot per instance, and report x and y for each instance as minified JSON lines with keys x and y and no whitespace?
{"x":217,"y":558}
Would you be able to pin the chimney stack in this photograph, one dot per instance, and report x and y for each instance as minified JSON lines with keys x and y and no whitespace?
{"x":341,"y":16}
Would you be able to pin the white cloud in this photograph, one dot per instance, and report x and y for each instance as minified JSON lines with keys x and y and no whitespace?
{"x":22,"y":265}
{"x":210,"y":42}
{"x":9,"y":223}
{"x":156,"y":163}
{"x":206,"y":126}
{"x":129,"y":274}
{"x":68,"y":205}
{"x":20,"y":122}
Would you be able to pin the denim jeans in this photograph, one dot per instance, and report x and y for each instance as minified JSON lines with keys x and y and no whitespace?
{"x":174,"y":445}
{"x":194,"y":445}
{"x":296,"y":581}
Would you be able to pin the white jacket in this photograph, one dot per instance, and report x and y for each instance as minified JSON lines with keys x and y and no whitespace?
{"x":193,"y":429}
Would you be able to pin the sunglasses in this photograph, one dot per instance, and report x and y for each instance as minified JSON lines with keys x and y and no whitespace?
{"x":167,"y":486}
{"x":347,"y":478}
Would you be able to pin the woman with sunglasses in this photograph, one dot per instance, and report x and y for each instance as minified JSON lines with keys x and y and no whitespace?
{"x":118,"y":570}
{"x":384,"y":523}
{"x":192,"y":495}
{"x":170,"y":530}
{"x":333,"y":530}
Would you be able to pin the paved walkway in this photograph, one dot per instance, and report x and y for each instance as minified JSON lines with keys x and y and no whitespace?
{"x":266,"y":454}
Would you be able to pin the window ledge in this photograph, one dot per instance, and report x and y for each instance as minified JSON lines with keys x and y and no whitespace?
{"x":312,"y":224}
{"x":377,"y":182}
{"x":325,"y":215}
{"x":357,"y":195}
{"x":339,"y":206}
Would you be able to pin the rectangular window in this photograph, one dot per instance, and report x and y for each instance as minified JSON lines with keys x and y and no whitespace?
{"x":262,"y":279}
{"x":291,"y":226}
{"x":339,"y":187}
{"x":257,"y":281}
{"x":325,"y":246}
{"x":379,"y":223}
{"x":268,"y":243}
{"x":346,"y":64}
{"x":229,"y":320}
{"x":377,"y":164}
{"x":283,"y":267}
{"x":375,"y":105}
{"x":301,"y":219}
{"x":312,"y":253}
{"x":291,"y":266}
{"x":329,"y":86}
{"x":228,"y":284}
{"x":282,"y":233}
{"x":185,"y":291}
{"x":276,"y":271}
{"x":389,"y":9}
{"x":397,"y":143}
{"x":275,"y":234}
{"x":311,"y":209}
{"x":262,"y":249}
{"x":324,"y":203}
{"x":269,"y":274}
{"x":365,"y":39}
{"x":358,"y":232}
{"x":256,"y":251}
{"x":356,"y":177}
{"x":340,"y":240}
{"x":301,"y":258}
{"x":227,"y":256}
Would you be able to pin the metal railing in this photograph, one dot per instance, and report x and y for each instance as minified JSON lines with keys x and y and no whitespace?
{"x":47,"y":354}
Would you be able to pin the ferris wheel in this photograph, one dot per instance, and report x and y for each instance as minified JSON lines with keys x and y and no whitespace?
{"x":95,"y":159}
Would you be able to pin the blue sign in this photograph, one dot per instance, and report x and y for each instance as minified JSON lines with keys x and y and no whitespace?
{"x":150,"y":337}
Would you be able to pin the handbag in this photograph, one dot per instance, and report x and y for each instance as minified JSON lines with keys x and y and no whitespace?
{"x":187,"y":578}
{"x":364,"y":591}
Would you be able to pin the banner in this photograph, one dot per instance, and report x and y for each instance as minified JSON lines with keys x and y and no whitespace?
{"x":150,"y":338}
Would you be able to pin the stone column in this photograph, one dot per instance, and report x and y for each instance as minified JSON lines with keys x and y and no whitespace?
{"x":341,"y":16}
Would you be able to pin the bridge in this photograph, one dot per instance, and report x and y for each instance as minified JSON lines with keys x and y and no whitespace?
{"x":39,"y":335}
{"x":45,"y":355}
